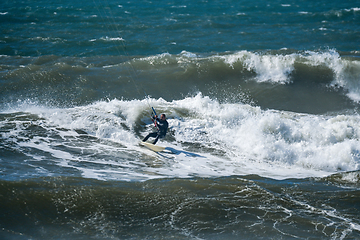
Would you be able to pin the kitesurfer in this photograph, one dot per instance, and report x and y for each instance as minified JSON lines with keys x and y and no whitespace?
{"x":162,"y":126}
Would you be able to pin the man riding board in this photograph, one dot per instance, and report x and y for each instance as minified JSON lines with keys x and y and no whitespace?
{"x":162,"y":126}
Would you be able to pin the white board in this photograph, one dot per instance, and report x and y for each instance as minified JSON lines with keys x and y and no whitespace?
{"x":152,"y":146}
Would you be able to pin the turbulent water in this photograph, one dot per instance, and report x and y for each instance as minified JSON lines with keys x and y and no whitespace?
{"x":262,"y":100}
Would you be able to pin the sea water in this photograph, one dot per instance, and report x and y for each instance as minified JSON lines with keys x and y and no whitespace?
{"x":262,"y":100}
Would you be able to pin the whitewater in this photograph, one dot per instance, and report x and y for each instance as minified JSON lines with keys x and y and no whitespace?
{"x":206,"y":139}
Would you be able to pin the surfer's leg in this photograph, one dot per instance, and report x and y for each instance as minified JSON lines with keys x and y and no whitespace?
{"x":156,"y":139}
{"x":154,"y":134}
{"x":146,"y":138}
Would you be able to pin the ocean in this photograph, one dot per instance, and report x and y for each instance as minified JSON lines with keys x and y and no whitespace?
{"x":262,"y":100}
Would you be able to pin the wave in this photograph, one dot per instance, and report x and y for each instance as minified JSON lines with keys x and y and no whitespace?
{"x":268,"y":67}
{"x":310,"y":82}
{"x":207,"y":138}
{"x":275,"y":68}
{"x":108,"y":39}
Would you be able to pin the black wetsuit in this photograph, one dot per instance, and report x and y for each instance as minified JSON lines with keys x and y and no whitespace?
{"x":162,"y":126}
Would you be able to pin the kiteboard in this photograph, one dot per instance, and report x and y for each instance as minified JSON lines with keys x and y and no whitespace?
{"x":152,"y":147}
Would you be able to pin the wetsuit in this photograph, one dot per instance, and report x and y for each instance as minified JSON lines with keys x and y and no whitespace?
{"x":162,"y":126}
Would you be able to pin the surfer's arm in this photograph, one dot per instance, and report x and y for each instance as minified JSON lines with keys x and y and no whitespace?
{"x":156,"y":118}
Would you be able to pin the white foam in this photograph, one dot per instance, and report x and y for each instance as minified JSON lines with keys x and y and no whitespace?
{"x":278,"y":138}
{"x":108,"y":39}
{"x":351,"y":177}
{"x":209,"y":139}
{"x":355,"y":9}
{"x":278,"y":68}
{"x":269,"y":68}
{"x":346,"y":72}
